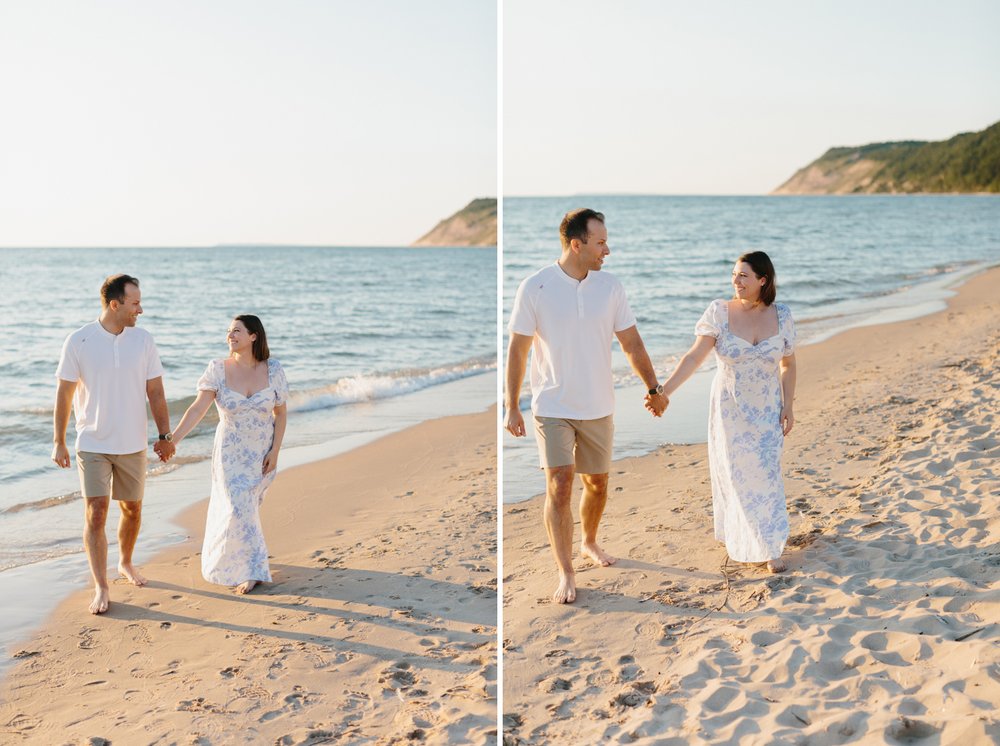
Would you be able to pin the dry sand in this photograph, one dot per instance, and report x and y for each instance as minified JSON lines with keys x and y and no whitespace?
{"x":380,"y":626}
{"x":884,"y":629}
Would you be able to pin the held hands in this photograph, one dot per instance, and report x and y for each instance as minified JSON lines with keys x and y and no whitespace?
{"x":656,"y":404}
{"x":787,"y":420}
{"x":164,"y":449}
{"x":514,"y":422}
{"x":60,"y":455}
{"x":270,"y":462}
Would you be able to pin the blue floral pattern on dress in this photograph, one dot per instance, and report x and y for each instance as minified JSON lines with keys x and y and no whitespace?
{"x":744,"y":436}
{"x":234,"y":548}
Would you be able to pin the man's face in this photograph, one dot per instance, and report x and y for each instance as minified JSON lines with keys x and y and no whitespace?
{"x":127,"y":311}
{"x":593,"y":251}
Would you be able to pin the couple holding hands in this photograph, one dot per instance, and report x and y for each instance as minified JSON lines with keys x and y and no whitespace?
{"x":567,"y":315}
{"x":107,"y":371}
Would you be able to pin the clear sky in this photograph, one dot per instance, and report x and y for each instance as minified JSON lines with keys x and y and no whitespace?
{"x":197,"y":122}
{"x":712,"y":97}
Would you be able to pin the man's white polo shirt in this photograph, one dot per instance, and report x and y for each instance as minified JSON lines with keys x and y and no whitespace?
{"x":110,"y":399}
{"x":573,"y":324}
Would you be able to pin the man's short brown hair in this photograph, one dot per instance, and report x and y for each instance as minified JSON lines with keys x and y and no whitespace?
{"x":114,"y":288}
{"x":574,"y":225}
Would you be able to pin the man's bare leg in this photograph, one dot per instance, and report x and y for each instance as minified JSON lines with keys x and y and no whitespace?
{"x":559,"y":525}
{"x":595,"y":497}
{"x":96,"y":544}
{"x":128,"y":532}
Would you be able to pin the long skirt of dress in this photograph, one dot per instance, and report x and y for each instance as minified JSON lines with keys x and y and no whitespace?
{"x":234,"y":549}
{"x":745,"y":444}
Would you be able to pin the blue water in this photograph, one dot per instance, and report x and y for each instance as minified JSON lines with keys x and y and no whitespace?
{"x":840,"y":262}
{"x":360,"y":332}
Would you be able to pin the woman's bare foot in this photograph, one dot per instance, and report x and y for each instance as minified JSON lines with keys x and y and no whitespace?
{"x":101,"y":600}
{"x":566,"y":592}
{"x":597,"y":555}
{"x":128,"y":571}
{"x":246,"y":586}
{"x":776,"y":565}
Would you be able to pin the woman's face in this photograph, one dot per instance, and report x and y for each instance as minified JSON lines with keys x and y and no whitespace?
{"x":746,"y":284}
{"x":240,"y":340}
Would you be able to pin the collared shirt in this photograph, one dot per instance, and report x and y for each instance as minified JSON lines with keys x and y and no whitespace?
{"x":110,"y":398}
{"x":573,"y":323}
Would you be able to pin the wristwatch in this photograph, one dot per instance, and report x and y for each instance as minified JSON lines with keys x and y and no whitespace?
{"x":657,"y":390}
{"x":170,"y":436}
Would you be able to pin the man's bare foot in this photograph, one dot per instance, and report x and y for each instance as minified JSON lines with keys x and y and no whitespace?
{"x":597,"y":555}
{"x":100,"y":603}
{"x":246,"y":586}
{"x":128,"y":571}
{"x":566,"y":592}
{"x":776,"y":565}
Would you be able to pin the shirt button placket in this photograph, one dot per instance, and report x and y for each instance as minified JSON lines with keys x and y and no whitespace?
{"x":579,"y":301}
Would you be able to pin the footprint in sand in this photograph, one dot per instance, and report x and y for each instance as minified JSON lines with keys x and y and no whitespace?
{"x":906,"y":730}
{"x":87,"y":640}
{"x":398,"y":677}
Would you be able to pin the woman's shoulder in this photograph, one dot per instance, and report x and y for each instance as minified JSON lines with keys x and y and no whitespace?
{"x":273,"y":364}
{"x":782,"y":308}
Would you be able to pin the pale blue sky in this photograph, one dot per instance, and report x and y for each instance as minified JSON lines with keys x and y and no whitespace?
{"x":196,"y":122}
{"x":665,"y":97}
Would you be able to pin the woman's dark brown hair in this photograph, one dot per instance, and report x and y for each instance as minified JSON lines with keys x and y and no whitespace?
{"x":253,"y":325}
{"x":761,"y":265}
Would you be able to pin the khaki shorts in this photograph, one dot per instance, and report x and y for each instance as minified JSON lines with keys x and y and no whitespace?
{"x":122,"y":476}
{"x":583,"y":443}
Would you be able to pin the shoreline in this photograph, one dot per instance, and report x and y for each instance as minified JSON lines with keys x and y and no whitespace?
{"x":883,"y":627}
{"x":380,"y":622}
{"x":169,"y":494}
{"x":686,"y":423}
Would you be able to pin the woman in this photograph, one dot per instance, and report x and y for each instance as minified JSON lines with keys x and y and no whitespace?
{"x":750,"y":410}
{"x":249,"y":389}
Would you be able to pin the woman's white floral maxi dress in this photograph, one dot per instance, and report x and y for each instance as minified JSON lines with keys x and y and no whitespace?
{"x":744,"y":436}
{"x":234,"y":548}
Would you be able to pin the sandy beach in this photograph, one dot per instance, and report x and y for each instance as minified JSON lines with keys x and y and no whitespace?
{"x":883,"y":630}
{"x":380,"y":626}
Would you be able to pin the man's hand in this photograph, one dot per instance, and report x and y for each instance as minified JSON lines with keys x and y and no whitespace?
{"x":656,"y":404}
{"x":164,"y":449}
{"x":60,"y":455}
{"x":514,"y":422}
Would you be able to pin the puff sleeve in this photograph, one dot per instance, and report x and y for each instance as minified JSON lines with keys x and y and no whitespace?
{"x":280,"y":383}
{"x":710,"y":323}
{"x":212,"y":377}
{"x":787,"y":330}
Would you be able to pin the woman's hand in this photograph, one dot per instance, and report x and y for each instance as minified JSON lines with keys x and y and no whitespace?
{"x":270,"y":461}
{"x":786,"y":419}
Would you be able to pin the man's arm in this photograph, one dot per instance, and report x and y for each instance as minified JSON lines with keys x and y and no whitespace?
{"x":517,"y":363}
{"x":161,"y":416}
{"x":60,"y":421}
{"x":638,"y":358}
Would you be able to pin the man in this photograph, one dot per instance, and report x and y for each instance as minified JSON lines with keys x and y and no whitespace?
{"x":569,"y":313}
{"x":107,"y":371}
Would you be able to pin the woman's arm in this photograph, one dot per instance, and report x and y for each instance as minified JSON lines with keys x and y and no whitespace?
{"x":688,"y":364}
{"x":280,"y":420}
{"x":787,"y":374}
{"x":193,"y":415}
